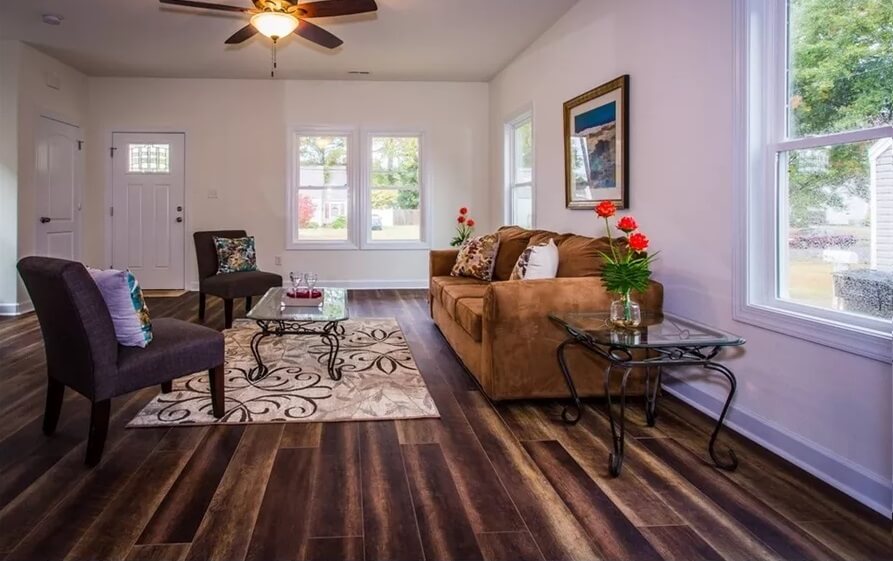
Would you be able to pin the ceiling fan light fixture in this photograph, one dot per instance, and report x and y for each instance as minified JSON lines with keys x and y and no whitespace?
{"x":274,"y":24}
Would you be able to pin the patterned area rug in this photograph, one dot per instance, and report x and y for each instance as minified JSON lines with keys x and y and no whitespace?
{"x":380,"y":381}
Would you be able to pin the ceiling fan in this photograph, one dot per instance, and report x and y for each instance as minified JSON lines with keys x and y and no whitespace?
{"x":277,"y":18}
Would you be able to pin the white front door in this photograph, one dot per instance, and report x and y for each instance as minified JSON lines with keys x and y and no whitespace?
{"x":148,"y":213}
{"x":58,"y":178}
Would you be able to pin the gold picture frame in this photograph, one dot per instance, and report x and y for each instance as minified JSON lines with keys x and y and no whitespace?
{"x":596,"y":146}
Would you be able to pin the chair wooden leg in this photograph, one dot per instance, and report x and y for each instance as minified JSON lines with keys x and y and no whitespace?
{"x":228,"y":313}
{"x":217,"y":390}
{"x":55,"y":393}
{"x":167,"y":387}
{"x":247,"y":304}
{"x":99,"y":428}
{"x":201,"y":306}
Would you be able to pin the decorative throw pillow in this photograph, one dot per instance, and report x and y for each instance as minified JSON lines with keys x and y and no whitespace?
{"x":235,"y":254}
{"x":124,"y":298}
{"x":477,"y":257}
{"x":538,"y":261}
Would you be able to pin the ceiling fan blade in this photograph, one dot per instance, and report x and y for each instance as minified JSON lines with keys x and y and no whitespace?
{"x":317,"y":34}
{"x":329,"y":8}
{"x":243,"y":34}
{"x":204,"y":5}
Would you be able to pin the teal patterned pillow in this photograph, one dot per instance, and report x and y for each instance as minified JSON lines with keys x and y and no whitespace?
{"x":235,"y":255}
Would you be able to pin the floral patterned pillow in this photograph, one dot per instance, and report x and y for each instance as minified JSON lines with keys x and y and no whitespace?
{"x":235,"y":255}
{"x":477,"y":258}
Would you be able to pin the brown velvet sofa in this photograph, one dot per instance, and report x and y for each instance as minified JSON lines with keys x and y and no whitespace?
{"x":501,"y":330}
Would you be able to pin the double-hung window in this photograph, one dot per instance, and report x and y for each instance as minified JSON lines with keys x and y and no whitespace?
{"x":337,"y":202}
{"x":394,"y":190}
{"x":816,"y":88}
{"x":519,"y":170}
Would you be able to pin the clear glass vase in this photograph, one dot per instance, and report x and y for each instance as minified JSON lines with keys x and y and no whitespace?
{"x":625,"y":312}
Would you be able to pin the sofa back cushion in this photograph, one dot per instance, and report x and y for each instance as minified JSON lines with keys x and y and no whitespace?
{"x":578,"y":256}
{"x":513,"y":240}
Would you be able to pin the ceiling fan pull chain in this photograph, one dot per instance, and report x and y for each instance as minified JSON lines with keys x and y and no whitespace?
{"x":273,"y":70}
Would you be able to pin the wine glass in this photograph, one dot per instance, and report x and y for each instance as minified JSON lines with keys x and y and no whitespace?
{"x":311,"y":279}
{"x":297,"y":279}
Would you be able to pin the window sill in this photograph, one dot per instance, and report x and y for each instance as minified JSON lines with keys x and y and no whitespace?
{"x":860,"y":341}
{"x":396,"y":245}
{"x":321,"y":246}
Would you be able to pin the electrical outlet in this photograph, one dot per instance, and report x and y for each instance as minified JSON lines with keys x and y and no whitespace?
{"x":212,"y":193}
{"x":278,"y":260}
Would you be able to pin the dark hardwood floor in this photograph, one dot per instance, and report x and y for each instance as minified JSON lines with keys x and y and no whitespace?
{"x":495,"y":482}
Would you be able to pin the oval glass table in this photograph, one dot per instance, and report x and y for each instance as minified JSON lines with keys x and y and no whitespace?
{"x":661,"y":340}
{"x":274,"y":317}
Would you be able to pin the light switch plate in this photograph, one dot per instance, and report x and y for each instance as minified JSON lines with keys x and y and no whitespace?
{"x":212,"y":193}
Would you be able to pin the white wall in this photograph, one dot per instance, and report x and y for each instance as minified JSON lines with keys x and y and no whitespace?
{"x":828,"y":410}
{"x":25,"y":97}
{"x":236,"y":133}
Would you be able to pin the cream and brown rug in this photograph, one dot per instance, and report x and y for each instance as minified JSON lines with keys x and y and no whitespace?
{"x":380,"y":380}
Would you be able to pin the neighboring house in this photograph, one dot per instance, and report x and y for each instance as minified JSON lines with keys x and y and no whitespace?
{"x":881,"y":187}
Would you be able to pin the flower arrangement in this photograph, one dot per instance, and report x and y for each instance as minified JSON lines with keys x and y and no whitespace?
{"x":465,"y":228}
{"x":627,"y":269}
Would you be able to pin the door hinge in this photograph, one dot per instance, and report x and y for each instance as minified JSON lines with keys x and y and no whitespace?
{"x":112,"y":152}
{"x":80,"y":145}
{"x":111,"y":211}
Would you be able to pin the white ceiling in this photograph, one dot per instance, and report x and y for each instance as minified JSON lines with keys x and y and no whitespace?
{"x":464,"y":40}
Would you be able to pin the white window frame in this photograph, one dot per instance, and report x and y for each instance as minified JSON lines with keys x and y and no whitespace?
{"x":353,"y":187}
{"x":511,"y":124}
{"x":365,"y":220}
{"x":760,"y":36}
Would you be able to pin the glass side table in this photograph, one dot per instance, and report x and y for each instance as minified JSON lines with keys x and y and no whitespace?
{"x":662,"y":340}
{"x":275,"y":318}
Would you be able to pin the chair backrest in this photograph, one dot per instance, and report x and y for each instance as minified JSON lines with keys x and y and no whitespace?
{"x":206,"y":251}
{"x":78,"y":334}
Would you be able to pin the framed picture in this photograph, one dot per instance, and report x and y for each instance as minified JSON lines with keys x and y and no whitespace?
{"x":596,"y":146}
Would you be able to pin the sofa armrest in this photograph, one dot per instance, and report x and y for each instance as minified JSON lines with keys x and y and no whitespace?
{"x":441,"y":261}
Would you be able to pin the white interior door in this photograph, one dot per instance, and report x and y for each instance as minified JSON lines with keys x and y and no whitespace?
{"x":148,"y":213}
{"x":58,"y":179}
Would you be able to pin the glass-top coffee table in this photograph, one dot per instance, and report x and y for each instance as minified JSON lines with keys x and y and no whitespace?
{"x":661,"y":340}
{"x":324,"y":321}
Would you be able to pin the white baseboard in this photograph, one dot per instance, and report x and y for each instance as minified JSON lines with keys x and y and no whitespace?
{"x":16,"y":309}
{"x":867,"y":487}
{"x":360,"y":284}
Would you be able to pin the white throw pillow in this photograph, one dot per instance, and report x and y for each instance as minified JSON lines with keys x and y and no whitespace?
{"x":537,"y":262}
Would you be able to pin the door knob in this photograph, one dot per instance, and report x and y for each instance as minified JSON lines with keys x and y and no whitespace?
{"x":179,"y":219}
{"x":44,"y":219}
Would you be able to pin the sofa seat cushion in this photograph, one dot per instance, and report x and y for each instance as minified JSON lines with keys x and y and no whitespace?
{"x":439,"y":283}
{"x":453,"y":294}
{"x":469,"y":316}
{"x":240,"y":285}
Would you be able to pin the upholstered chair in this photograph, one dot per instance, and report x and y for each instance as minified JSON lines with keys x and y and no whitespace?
{"x":82,"y":352}
{"x":227,"y":286}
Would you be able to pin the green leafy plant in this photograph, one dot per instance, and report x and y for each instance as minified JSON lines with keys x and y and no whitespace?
{"x":627,"y":268}
{"x":465,"y":228}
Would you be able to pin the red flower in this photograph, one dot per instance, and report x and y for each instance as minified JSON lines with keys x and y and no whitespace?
{"x":605,"y":209}
{"x":470,"y":223}
{"x":460,"y":219}
{"x":463,"y":211}
{"x":627,"y":224}
{"x":638,"y":242}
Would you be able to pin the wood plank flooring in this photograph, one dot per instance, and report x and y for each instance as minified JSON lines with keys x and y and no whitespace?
{"x":486,"y":482}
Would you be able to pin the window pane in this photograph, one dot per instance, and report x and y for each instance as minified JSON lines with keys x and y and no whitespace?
{"x":522,"y":206}
{"x":322,"y":214}
{"x":149,"y":158}
{"x":396,"y":215}
{"x":523,"y":153}
{"x":323,"y":161}
{"x":840,"y":66}
{"x":395,"y":161}
{"x":837,"y":241}
{"x":396,"y":209}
